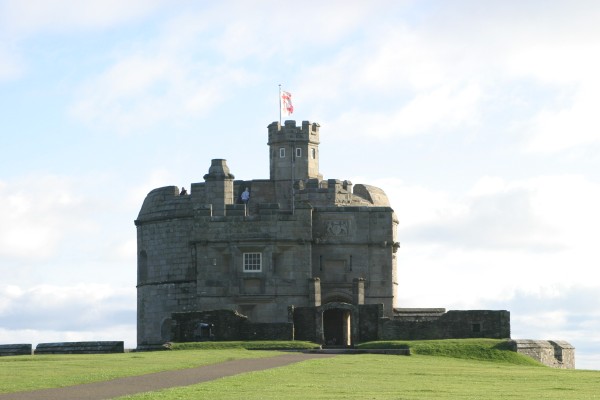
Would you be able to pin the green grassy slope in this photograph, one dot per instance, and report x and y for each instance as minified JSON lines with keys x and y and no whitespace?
{"x":451,"y":369}
{"x":391,"y":377}
{"x":22,"y":373}
{"x":253,"y":345}
{"x":470,"y":349}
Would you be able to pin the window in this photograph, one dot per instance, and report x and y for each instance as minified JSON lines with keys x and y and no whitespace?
{"x":314,"y":153}
{"x":252,"y":262}
{"x":298,"y":152}
{"x":282,"y":152}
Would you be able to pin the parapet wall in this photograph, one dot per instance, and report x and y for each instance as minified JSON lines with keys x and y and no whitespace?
{"x":100,"y":347}
{"x":553,"y":353}
{"x":97,"y":347}
{"x":21,"y":349}
{"x":450,"y":325}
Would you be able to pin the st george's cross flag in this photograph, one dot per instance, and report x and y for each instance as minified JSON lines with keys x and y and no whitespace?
{"x":287,"y":107}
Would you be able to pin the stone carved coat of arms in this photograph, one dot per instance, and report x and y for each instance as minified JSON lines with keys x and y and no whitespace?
{"x":337,"y":228}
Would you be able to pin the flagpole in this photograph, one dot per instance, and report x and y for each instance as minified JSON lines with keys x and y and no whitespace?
{"x":293,"y":147}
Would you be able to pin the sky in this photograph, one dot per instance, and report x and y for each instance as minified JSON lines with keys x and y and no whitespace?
{"x":478,"y":119}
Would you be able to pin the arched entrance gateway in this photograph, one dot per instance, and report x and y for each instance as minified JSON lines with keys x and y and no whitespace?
{"x":339,"y":324}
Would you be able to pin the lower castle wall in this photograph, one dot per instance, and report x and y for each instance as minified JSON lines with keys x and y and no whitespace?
{"x":370,"y":316}
{"x":553,"y":353}
{"x":305,"y":326}
{"x":451,"y":325}
{"x":368,"y":321}
{"x":225,"y":325}
{"x":98,"y":347}
{"x":156,"y":303}
{"x":20,"y":349}
{"x":267,"y":331}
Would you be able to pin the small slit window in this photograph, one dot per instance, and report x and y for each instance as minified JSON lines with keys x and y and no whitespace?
{"x":314,"y":153}
{"x":282,"y":152}
{"x":252,"y":262}
{"x":298,"y":152}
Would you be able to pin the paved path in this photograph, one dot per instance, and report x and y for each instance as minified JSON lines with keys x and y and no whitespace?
{"x":160,"y":380}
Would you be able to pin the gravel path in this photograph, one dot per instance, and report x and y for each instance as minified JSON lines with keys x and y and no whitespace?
{"x":160,"y":380}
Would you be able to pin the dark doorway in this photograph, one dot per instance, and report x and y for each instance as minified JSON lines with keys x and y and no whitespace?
{"x":336,"y":327}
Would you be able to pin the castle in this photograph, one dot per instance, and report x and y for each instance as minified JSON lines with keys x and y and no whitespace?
{"x":301,"y":258}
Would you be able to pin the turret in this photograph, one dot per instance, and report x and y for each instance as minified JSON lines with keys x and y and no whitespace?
{"x":294,"y":151}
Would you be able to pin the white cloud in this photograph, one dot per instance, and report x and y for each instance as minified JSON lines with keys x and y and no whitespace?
{"x":155,"y":85}
{"x":445,"y":107}
{"x":254,"y":32}
{"x":194,"y":64}
{"x":125,"y":333}
{"x":549,"y":212}
{"x":71,"y":308}
{"x":455,"y":73}
{"x":32,"y":16}
{"x":442,"y":108}
{"x":127,"y":251}
{"x":563,"y":56}
{"x":530,"y":235}
{"x":61,"y":230}
{"x":398,"y":80}
{"x":51,"y":313}
{"x":22,"y":19}
{"x":36,"y":213}
{"x":400,"y":58}
{"x":575,"y":124}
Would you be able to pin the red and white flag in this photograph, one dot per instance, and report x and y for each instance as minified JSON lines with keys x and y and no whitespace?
{"x":287,"y":108}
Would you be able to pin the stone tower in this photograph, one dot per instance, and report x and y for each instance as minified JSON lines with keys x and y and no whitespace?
{"x":294,"y":151}
{"x":293,"y":156}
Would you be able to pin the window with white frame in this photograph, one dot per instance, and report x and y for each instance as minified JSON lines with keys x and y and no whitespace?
{"x":252,"y":262}
{"x":298,"y":152}
{"x":282,"y":152}
{"x":314,"y":153}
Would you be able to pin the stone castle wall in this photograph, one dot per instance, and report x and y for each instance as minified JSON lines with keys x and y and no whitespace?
{"x":367,"y":324}
{"x":449,"y":325}
{"x":225,"y":325}
{"x":553,"y":353}
{"x":190,"y":259}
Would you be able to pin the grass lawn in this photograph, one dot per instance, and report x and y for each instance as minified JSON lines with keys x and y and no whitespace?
{"x":24,"y":373}
{"x":395,"y":377}
{"x":471,"y":349}
{"x":464,"y":369}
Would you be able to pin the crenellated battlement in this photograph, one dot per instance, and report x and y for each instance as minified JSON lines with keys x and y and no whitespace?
{"x":334,"y":192}
{"x":322,"y":193}
{"x":309,"y":131}
{"x":293,"y":152}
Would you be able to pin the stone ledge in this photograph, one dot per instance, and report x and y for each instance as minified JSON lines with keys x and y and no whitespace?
{"x":398,"y":352}
{"x":102,"y":347}
{"x":15,"y":349}
{"x":153,"y":347}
